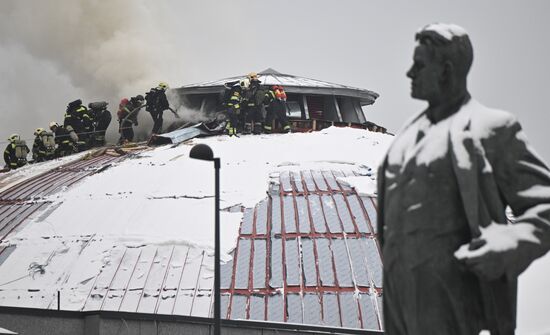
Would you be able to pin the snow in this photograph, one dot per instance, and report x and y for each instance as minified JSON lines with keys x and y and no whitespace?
{"x":499,"y":238}
{"x":13,"y":177}
{"x":537,"y":191}
{"x":446,"y":30}
{"x":473,"y":120}
{"x":432,"y":146}
{"x":363,"y":186}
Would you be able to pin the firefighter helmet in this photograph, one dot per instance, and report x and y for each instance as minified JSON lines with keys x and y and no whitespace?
{"x":244,"y":83}
{"x":38,"y":131}
{"x":162,"y":85}
{"x":123,"y":102}
{"x":252,"y":75}
{"x":13,"y":137}
{"x":54,"y":124}
{"x":237,"y":88}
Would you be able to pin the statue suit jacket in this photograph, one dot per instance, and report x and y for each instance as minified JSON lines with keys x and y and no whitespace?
{"x":495,"y":168}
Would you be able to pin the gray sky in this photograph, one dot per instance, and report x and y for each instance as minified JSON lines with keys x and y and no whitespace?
{"x":95,"y":50}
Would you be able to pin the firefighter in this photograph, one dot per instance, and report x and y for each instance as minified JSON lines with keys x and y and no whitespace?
{"x":128,"y":117}
{"x":66,"y":144}
{"x":157,"y":103}
{"x":78,"y":118}
{"x":135,"y":105}
{"x":275,"y":102}
{"x":16,"y":152}
{"x":101,"y":118}
{"x":124,"y":123}
{"x":43,"y":148}
{"x":233,"y":105}
{"x":252,"y":105}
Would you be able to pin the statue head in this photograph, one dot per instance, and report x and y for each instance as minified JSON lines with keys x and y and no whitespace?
{"x":442,"y":59}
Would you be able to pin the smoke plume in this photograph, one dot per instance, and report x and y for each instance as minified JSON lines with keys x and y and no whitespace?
{"x":54,"y":52}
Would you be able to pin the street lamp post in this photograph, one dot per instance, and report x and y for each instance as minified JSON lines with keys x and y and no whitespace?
{"x":204,"y":152}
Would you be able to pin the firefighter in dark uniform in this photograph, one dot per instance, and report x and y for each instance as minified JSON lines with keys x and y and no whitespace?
{"x":252,"y":105}
{"x":233,"y":105}
{"x":157,"y":103}
{"x":66,"y":145}
{"x":43,"y":148}
{"x":275,"y":102}
{"x":135,"y":105}
{"x":79,"y":119}
{"x":16,"y":152}
{"x":101,"y":118}
{"x":128,"y":117}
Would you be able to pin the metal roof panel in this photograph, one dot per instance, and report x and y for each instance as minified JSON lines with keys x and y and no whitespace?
{"x":294,"y":308}
{"x":243,"y":264}
{"x":308,"y":256}
{"x":259,"y":265}
{"x":292,"y":262}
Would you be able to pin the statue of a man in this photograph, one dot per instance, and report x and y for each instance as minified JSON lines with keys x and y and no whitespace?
{"x":451,"y":256}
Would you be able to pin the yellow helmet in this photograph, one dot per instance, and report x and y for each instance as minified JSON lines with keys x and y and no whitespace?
{"x":14,"y":137}
{"x":252,"y":75}
{"x":162,"y":85}
{"x":38,"y":131}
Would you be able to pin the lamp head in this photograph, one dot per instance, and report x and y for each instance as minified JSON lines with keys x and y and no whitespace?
{"x":202,"y":152}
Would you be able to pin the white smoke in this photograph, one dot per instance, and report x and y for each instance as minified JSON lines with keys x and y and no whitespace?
{"x":54,"y":52}
{"x":185,"y":113}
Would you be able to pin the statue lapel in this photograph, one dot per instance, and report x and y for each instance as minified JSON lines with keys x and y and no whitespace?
{"x":465,"y":165}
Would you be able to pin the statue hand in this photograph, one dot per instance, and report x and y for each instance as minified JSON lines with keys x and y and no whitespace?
{"x":489,"y":265}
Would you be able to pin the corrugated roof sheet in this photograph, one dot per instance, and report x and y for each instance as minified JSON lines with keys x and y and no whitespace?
{"x":323,"y":260}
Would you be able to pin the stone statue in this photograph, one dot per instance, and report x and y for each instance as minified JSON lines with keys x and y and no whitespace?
{"x":451,"y":256}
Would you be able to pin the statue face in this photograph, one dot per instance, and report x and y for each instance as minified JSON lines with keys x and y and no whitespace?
{"x":425,"y":75}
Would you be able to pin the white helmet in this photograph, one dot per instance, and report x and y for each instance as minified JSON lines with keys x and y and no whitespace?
{"x":53,"y":124}
{"x":14,"y":137}
{"x":245,"y":83}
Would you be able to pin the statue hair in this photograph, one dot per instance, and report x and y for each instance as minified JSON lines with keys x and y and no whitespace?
{"x":458,"y":50}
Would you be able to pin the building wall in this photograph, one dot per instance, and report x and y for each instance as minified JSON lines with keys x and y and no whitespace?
{"x":338,"y":109}
{"x":50,"y":322}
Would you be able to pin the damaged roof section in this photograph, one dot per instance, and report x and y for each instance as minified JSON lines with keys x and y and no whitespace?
{"x":307,"y":254}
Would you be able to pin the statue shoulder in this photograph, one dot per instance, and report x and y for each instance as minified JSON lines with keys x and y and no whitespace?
{"x":485,"y":121}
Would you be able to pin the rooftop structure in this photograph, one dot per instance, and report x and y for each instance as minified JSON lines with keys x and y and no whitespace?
{"x":308,"y":99}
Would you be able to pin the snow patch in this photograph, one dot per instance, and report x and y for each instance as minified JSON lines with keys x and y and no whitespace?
{"x":499,"y":238}
{"x":363,"y":185}
{"x":536,"y":191}
{"x":446,"y":30}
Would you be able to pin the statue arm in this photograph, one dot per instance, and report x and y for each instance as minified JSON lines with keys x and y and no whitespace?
{"x":523,"y":182}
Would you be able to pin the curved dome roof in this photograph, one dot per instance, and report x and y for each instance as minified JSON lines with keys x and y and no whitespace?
{"x":292,"y":84}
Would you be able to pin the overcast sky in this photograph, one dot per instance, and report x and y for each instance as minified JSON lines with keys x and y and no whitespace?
{"x":53,"y":52}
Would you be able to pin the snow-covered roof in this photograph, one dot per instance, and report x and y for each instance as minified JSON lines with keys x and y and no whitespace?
{"x":134,"y":232}
{"x":291,"y":83}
